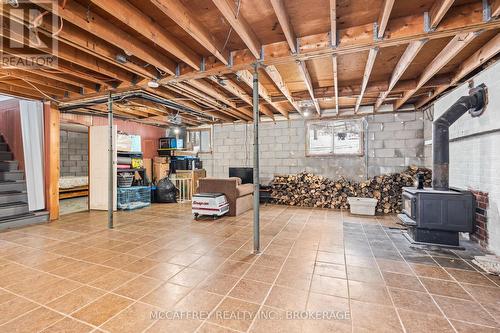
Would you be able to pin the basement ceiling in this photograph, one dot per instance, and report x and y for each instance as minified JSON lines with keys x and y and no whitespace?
{"x":334,"y":57}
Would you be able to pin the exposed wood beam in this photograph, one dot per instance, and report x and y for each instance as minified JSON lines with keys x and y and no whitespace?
{"x":23,"y":83}
{"x":62,"y":77}
{"x":404,"y":62}
{"x":333,"y":22}
{"x":373,"y":88}
{"x":76,"y":14}
{"x":143,"y":24}
{"x":212,"y":102}
{"x":247,"y":78}
{"x":231,"y":13}
{"x":274,"y":74}
{"x":495,"y":8}
{"x":485,"y":53}
{"x":456,"y":45}
{"x":372,"y":55}
{"x":383,"y":17}
{"x":286,"y":25}
{"x":52,"y":159}
{"x":40,"y":79}
{"x":233,"y":88}
{"x":208,"y":89}
{"x":181,"y":15}
{"x":400,"y":31}
{"x":335,"y":82}
{"x":438,"y":11}
{"x":80,"y":39}
{"x":307,"y":80}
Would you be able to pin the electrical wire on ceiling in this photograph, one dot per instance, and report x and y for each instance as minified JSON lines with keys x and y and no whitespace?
{"x":238,"y":6}
{"x":31,"y":84}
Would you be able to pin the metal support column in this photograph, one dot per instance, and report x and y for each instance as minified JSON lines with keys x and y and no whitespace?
{"x":256,"y":181}
{"x":111,"y":163}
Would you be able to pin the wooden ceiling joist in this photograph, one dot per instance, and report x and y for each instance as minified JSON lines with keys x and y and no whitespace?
{"x":40,"y":79}
{"x":144,"y":25}
{"x":404,"y":62}
{"x":181,"y":15}
{"x":383,"y":17}
{"x":449,"y":52}
{"x":247,"y":78}
{"x":233,"y":89}
{"x":495,"y":8}
{"x":286,"y":26}
{"x":207,"y":88}
{"x":333,"y":22}
{"x":83,"y":41}
{"x":233,"y":16}
{"x":485,"y":53}
{"x":438,"y":11}
{"x":307,"y":80}
{"x":372,"y":55}
{"x":77,"y":14}
{"x":400,"y":31}
{"x":274,"y":74}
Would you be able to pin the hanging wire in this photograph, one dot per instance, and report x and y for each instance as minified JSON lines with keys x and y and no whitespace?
{"x":238,"y":6}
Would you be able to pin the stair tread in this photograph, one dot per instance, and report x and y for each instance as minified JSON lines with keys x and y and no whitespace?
{"x":13,"y":204}
{"x":16,"y":217}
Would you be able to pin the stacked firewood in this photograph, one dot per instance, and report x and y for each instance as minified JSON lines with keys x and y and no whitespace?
{"x":308,"y":190}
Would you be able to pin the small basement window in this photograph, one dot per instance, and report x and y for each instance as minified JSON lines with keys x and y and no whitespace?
{"x":334,"y":137}
{"x":200,"y":140}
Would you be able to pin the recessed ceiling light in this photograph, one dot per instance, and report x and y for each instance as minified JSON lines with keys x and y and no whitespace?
{"x":153,"y":84}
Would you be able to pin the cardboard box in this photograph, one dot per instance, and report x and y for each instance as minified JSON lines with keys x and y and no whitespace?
{"x":148,"y":165}
{"x":160,"y":170}
{"x":161,"y":159}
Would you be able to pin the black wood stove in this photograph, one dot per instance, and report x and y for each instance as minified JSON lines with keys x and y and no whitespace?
{"x":436,"y":215}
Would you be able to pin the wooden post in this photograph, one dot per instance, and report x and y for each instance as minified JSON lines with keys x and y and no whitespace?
{"x":52,"y":158}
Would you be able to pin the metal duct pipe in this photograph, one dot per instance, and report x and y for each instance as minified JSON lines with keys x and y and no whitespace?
{"x":474,"y":104}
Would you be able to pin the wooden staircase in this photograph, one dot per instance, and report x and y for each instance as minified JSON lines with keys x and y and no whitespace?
{"x":14,"y":211}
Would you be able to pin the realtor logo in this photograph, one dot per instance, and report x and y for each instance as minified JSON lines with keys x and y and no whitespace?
{"x":29,"y":32}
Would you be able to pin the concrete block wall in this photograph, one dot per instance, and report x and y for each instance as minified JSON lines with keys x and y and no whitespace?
{"x":74,"y":153}
{"x":394,"y":142}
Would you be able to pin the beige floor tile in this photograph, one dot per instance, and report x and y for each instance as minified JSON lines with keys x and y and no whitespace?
{"x":235,"y":268}
{"x":166,"y":295}
{"x":416,"y":322}
{"x":34,"y":321}
{"x":463,"y":327}
{"x":75,"y":299}
{"x":112,"y":280}
{"x":329,"y":286}
{"x":218,"y":283}
{"x":431,"y":271}
{"x":234,"y":314}
{"x":199,"y":301}
{"x":138,"y":287}
{"x":262,"y":273}
{"x":135,"y":318}
{"x":468,"y":311}
{"x":102,"y":309}
{"x":374,"y":317}
{"x":250,"y":290}
{"x":208,"y":263}
{"x":403,"y":281}
{"x":189,"y":277}
{"x":445,"y":288}
{"x":413,"y":301}
{"x":68,"y":325}
{"x":15,"y":307}
{"x":164,"y":271}
{"x":140,"y":266}
{"x":287,"y":299}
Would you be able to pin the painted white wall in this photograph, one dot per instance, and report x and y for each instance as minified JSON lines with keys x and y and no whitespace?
{"x":475,"y":155}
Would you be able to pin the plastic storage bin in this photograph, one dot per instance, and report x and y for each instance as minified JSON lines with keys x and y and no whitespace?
{"x":362,"y":206}
{"x":133,"y":197}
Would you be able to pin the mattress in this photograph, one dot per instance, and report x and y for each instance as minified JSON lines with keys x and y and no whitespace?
{"x":72,"y":182}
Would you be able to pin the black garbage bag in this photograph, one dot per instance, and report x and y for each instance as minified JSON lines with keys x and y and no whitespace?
{"x":166,"y":191}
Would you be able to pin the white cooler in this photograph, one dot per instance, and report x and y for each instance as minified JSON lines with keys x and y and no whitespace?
{"x":209,"y":204}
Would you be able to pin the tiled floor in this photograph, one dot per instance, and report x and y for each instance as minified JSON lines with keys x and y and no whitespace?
{"x":319,"y":271}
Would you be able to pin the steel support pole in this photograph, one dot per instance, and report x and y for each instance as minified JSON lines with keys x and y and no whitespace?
{"x":111,"y":163}
{"x":256,"y":180}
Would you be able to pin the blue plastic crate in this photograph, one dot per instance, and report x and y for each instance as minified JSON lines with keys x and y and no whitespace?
{"x":133,"y":197}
